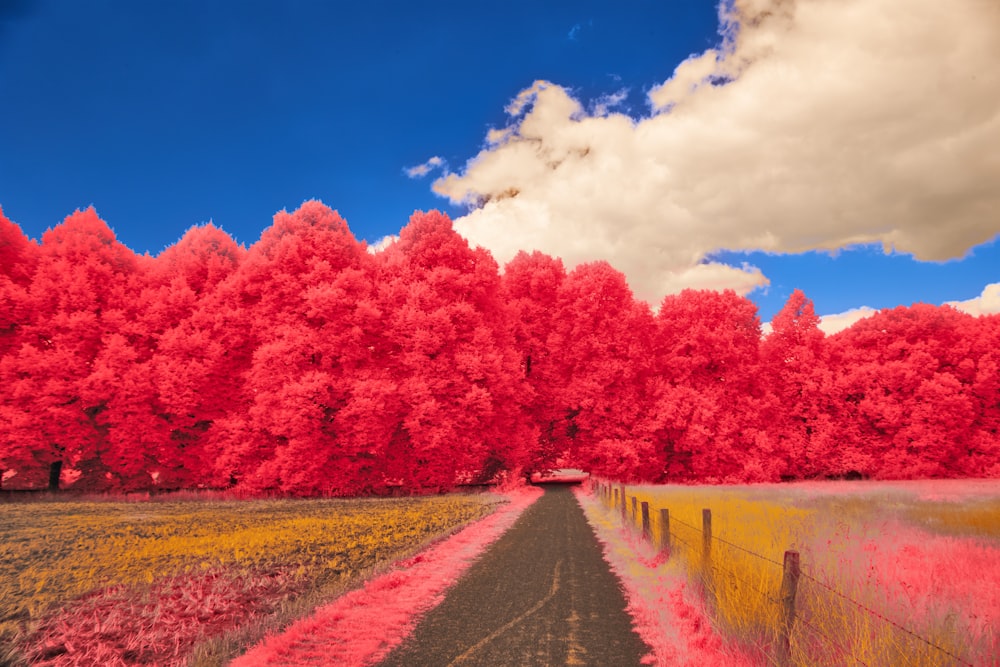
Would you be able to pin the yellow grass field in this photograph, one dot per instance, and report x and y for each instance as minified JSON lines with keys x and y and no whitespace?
{"x":52,"y":553}
{"x":893,"y":573}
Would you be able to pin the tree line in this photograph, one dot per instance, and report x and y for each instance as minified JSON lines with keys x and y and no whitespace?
{"x":307,"y":365}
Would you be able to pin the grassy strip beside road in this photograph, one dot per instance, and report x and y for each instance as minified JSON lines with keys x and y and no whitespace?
{"x":199,"y":568}
{"x":893,"y":572}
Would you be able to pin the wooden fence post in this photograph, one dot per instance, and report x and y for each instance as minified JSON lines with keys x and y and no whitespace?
{"x":789,"y":586}
{"x":624,"y":505}
{"x":665,"y":530}
{"x":647,"y":532}
{"x":635,"y":510}
{"x":706,"y":537}
{"x":706,"y":555}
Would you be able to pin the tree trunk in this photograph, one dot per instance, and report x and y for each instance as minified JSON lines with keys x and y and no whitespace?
{"x":55,"y":469}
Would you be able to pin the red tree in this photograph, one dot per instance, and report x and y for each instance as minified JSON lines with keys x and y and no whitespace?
{"x":79,"y":297}
{"x":18,"y":259}
{"x":797,"y":376}
{"x":531,"y":285}
{"x":707,"y":414}
{"x":982,"y":456}
{"x":291,"y":314}
{"x":174,"y":395}
{"x":599,"y":345}
{"x":448,"y":349}
{"x":904,"y":377}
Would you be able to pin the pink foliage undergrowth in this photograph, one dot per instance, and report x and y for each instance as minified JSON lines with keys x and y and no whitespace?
{"x":666,"y":614}
{"x":363,"y":626}
{"x":119,"y":626}
{"x":927,"y":580}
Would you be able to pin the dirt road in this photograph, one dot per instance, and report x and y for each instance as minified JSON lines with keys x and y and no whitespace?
{"x":541,"y":595}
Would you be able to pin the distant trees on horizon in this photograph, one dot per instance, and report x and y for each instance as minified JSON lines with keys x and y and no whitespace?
{"x":306,"y":365}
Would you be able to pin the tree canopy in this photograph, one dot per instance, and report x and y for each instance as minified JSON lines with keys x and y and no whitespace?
{"x":308,"y":365}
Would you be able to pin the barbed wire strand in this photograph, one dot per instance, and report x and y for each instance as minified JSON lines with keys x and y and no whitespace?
{"x":728,"y":543}
{"x":745,"y":550}
{"x":677,"y":537}
{"x":831,"y":589}
{"x":746,"y":582}
{"x":886,"y":619}
{"x":798,"y":619}
{"x":674,"y":519}
{"x":837,"y":645}
{"x":726,"y":572}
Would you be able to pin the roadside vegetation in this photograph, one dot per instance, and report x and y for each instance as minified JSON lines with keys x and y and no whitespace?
{"x":172,"y":582}
{"x":892,"y":573}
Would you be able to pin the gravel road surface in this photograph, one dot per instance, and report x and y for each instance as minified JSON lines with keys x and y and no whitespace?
{"x":541,"y":595}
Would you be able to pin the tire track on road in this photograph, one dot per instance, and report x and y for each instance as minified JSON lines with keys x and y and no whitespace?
{"x":520,"y":619}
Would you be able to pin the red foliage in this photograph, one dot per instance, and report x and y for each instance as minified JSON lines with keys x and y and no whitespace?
{"x":187,"y":367}
{"x":599,"y":344}
{"x":707,"y":401}
{"x":79,"y":296}
{"x":795,"y":369}
{"x":18,"y":258}
{"x":530,"y":285}
{"x":303,"y":301}
{"x":904,"y":380}
{"x":307,"y":365}
{"x":446,"y":347}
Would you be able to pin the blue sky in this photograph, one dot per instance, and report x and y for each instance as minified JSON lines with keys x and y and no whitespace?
{"x":164,"y":115}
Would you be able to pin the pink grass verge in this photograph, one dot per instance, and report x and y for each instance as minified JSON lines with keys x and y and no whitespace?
{"x":665,"y":613}
{"x":119,"y":625}
{"x":924,"y":580}
{"x":363,"y":626}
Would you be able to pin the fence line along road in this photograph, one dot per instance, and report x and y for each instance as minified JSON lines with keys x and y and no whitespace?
{"x":616,"y":496}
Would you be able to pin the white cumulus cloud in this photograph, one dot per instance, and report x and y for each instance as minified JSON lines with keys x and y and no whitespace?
{"x":831,"y":324}
{"x":815,"y":124}
{"x":382,"y":243}
{"x":987,"y":303}
{"x":427,"y":167}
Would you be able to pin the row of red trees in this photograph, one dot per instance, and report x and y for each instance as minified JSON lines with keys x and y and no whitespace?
{"x":308,"y":365}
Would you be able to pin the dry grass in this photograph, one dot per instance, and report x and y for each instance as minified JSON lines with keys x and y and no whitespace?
{"x":889,"y":569}
{"x":103,"y":578}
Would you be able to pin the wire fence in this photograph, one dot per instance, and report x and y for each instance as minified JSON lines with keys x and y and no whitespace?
{"x":712,"y":572}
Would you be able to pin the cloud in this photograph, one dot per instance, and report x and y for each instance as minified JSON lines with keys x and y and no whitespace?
{"x":421,"y":170}
{"x":574,"y":32}
{"x":715,"y":276}
{"x":831,"y":324}
{"x":382,"y":243}
{"x":603,"y":105}
{"x":813,"y":125}
{"x":987,"y":303}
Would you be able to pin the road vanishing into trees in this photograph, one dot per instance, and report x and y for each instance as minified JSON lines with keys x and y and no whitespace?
{"x":541,"y":595}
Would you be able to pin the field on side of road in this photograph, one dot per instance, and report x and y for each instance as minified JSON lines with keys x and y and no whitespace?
{"x":892,"y":573}
{"x":142,"y":582}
